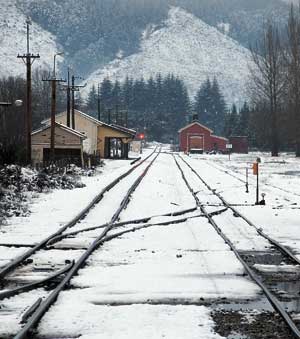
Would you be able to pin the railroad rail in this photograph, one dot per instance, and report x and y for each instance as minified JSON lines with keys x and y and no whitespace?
{"x":269,"y":295}
{"x":42,"y":307}
{"x":62,"y":277}
{"x":80,"y":216}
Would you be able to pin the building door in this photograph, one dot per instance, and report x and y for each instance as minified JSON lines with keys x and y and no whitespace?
{"x":196,"y":142}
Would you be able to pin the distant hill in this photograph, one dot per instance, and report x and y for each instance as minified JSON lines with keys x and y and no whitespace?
{"x":95,"y":33}
{"x":185,"y":46}
{"x":92,"y":32}
{"x":13,"y":41}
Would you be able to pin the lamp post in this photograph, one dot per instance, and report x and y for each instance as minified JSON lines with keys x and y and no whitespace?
{"x":54,"y":62}
{"x":17,"y":103}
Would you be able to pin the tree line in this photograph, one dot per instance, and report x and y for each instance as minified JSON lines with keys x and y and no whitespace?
{"x":12,"y":122}
{"x":158,"y":106}
{"x":276,"y":85}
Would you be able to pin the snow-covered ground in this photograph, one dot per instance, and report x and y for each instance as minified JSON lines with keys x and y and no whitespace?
{"x":158,"y":282}
{"x":279,"y":180}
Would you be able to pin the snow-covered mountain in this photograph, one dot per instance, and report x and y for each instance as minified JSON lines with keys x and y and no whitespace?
{"x":188,"y":47}
{"x":13,"y":41}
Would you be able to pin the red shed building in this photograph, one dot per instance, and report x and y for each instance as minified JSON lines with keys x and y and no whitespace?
{"x":239,"y":144}
{"x":197,"y":137}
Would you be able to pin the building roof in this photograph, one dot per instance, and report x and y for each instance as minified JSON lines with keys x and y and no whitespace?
{"x":61,"y":126}
{"x":122,"y":129}
{"x":195,"y":123}
{"x":96,"y":122}
{"x":217,"y":137}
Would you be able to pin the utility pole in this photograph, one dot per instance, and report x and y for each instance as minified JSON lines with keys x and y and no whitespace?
{"x":74,"y":88}
{"x":28,"y":59}
{"x":53,"y":81}
{"x":73,"y":101}
{"x":117,"y":114}
{"x":126,"y":118}
{"x":99,"y":103}
{"x":109,"y":116}
{"x":68,"y":100}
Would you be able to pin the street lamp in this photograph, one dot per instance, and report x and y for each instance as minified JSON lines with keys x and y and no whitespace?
{"x":54,"y":63}
{"x":17,"y":103}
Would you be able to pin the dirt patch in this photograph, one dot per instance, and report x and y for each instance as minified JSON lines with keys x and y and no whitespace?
{"x":250,"y":325}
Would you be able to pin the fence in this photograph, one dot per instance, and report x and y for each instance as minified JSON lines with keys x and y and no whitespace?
{"x":63,"y":164}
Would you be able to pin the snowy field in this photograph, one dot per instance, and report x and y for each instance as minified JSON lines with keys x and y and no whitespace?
{"x":157,"y":282}
{"x":279,"y":180}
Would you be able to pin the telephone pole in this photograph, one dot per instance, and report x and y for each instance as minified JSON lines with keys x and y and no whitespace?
{"x":99,"y":103}
{"x":53,"y":81}
{"x":68,"y":100}
{"x":117,"y":114}
{"x":74,"y":88}
{"x":28,"y":59}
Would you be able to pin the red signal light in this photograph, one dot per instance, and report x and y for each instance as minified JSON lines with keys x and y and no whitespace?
{"x":141,"y":136}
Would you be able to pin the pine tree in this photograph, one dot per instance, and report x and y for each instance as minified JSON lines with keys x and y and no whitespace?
{"x":106,"y":93}
{"x":218,"y":108}
{"x":210,"y":106}
{"x":127,"y":93}
{"x":232,"y":122}
{"x":243,"y":123}
{"x":91,"y":103}
{"x":116,"y":94}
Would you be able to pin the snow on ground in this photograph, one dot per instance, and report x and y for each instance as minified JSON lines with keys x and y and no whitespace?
{"x":133,"y":321}
{"x":50,"y":211}
{"x":279,"y":179}
{"x":154,"y":276}
{"x":155,"y":282}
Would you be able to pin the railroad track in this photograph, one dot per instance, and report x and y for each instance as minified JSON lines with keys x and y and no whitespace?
{"x":248,"y":262}
{"x":56,"y":281}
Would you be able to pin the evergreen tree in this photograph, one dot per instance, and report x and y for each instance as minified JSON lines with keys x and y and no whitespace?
{"x":218,"y":108}
{"x":158,"y":105}
{"x":116,"y":94}
{"x":243,"y":124}
{"x":210,"y":106}
{"x":106,"y":88}
{"x":127,"y":93}
{"x":91,"y":103}
{"x":231,"y":122}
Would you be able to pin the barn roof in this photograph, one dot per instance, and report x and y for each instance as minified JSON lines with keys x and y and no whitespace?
{"x":195,"y":123}
{"x":61,"y":126}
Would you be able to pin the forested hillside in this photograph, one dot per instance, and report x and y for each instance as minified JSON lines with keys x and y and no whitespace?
{"x":97,"y":30}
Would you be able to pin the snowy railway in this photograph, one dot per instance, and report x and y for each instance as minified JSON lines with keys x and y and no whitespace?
{"x":241,"y":177}
{"x":61,"y":278}
{"x":175,"y":226}
{"x":284,"y":255}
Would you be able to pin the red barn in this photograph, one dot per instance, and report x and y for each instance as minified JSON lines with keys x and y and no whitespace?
{"x":196,"y":137}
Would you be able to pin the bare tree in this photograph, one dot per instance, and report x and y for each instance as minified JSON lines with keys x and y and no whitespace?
{"x":293,"y":64}
{"x":268,"y":77}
